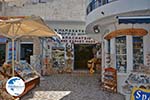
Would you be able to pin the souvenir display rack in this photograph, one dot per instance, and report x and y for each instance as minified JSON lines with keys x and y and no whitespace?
{"x":148,"y":59}
{"x":138,"y":78}
{"x":25,"y":72}
{"x":28,"y":74}
{"x":108,"y":59}
{"x":58,"y":57}
{"x":110,"y":80}
{"x":137,"y":52}
{"x":69,"y":57}
{"x":3,"y":94}
{"x":121,"y":54}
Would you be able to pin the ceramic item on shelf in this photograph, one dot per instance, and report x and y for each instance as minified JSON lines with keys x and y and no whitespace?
{"x":148,"y":87}
{"x":110,"y":80}
{"x":122,"y":69}
{"x":127,"y":88}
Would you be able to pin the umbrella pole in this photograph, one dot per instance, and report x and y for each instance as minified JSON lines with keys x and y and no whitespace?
{"x":13,"y":53}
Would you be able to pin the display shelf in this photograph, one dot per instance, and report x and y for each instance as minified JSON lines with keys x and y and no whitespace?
{"x":2,"y":79}
{"x":110,"y":80}
{"x":136,"y":79}
{"x":58,"y":57}
{"x":3,"y":93}
{"x":121,"y":54}
{"x":25,"y":72}
{"x":148,"y":59}
{"x":28,"y":74}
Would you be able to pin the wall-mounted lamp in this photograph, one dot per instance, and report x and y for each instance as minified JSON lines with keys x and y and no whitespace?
{"x":96,"y":29}
{"x":102,"y":13}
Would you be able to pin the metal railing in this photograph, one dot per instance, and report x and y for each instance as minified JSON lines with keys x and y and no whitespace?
{"x":97,"y":3}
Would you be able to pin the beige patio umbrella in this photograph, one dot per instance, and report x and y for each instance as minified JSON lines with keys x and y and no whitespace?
{"x":16,"y":27}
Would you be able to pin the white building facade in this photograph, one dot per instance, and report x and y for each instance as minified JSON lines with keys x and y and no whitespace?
{"x":123,"y":28}
{"x":67,"y":17}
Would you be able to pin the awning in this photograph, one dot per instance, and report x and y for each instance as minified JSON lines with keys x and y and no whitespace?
{"x":134,"y":20}
{"x":129,"y":31}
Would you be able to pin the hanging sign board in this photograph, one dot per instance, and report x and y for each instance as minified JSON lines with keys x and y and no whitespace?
{"x":140,"y":94}
{"x":128,"y":31}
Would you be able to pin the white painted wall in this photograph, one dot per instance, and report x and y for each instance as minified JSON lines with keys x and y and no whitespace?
{"x":146,"y":39}
{"x":66,"y":24}
{"x":118,"y":7}
{"x":146,"y":46}
{"x":113,"y":52}
{"x":60,"y":10}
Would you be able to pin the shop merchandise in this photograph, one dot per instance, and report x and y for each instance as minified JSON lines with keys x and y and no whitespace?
{"x":109,"y":80}
{"x":138,"y":78}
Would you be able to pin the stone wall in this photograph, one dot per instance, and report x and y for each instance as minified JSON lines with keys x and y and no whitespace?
{"x":36,"y":46}
{"x":66,"y":10}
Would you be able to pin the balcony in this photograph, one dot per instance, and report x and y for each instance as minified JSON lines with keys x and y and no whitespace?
{"x":105,"y":13}
{"x":97,"y":3}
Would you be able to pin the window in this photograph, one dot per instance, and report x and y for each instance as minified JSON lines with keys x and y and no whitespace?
{"x":110,"y":0}
{"x":26,"y":51}
{"x":137,"y":52}
{"x":69,"y":30}
{"x":35,"y":1}
{"x":59,"y":29}
{"x":121,"y":56}
{"x":109,"y":46}
{"x":55,"y":30}
{"x":2,"y":53}
{"x":66,"y":29}
{"x":42,"y":1}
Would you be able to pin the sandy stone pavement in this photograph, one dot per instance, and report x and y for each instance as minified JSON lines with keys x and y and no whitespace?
{"x":71,"y":87}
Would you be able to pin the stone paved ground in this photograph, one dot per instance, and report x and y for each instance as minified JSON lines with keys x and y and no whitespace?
{"x":70,"y":87}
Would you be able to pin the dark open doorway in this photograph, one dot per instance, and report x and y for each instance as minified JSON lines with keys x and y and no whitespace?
{"x":83,"y":53}
{"x":2,"y":53}
{"x":26,"y":52}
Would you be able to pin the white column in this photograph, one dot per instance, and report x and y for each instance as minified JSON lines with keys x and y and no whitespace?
{"x":146,"y":49}
{"x":106,"y":46}
{"x":103,"y":54}
{"x":103,"y":43}
{"x":113,"y":52}
{"x":106,"y":54}
{"x":129,"y":42}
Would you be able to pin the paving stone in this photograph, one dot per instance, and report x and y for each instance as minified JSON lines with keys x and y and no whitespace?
{"x":71,"y":87}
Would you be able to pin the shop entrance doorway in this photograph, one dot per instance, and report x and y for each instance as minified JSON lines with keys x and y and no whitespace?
{"x":26,"y":51}
{"x":82,"y":53}
{"x":2,"y":53}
